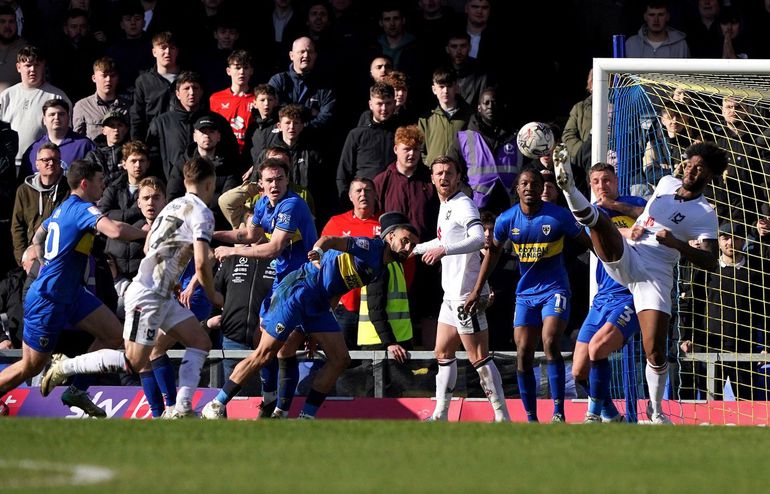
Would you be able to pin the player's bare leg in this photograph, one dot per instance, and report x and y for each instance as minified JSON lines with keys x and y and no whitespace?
{"x":655,"y":326}
{"x":526,"y":339}
{"x":266,"y":350}
{"x":477,"y":346}
{"x":107,"y":331}
{"x":31,"y":364}
{"x":447,"y":344}
{"x":337,"y":360}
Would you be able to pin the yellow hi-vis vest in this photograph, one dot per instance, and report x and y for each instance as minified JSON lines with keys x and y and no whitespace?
{"x":397,"y":309}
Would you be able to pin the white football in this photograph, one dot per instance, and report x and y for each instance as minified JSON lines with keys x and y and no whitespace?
{"x":535,"y":139}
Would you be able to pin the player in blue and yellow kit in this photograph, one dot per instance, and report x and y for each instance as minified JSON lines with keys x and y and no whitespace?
{"x":282,"y":230}
{"x":58,"y":297}
{"x":305,"y":297}
{"x":612,"y":319}
{"x":537,"y":230}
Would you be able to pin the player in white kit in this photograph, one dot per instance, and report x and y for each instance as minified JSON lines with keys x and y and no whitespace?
{"x":676,"y":215}
{"x":182,"y":230}
{"x":460,"y":236}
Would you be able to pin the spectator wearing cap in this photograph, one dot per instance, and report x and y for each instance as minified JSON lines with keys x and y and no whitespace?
{"x":108,"y":152}
{"x":21,"y":104}
{"x":72,"y":146}
{"x":171,"y":132}
{"x":206,"y":140}
{"x":89,"y":112}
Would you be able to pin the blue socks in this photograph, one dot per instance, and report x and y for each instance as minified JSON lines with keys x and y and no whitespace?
{"x":528,"y":392}
{"x":556,"y":381}
{"x":269,"y":377}
{"x":228,"y":391}
{"x":288,"y":378}
{"x":82,"y":381}
{"x":313,"y":402}
{"x":152,"y":393}
{"x":599,"y":376}
{"x":166,"y":376}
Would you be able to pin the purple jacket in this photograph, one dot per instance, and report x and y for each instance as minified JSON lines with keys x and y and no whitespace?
{"x":73,"y":147}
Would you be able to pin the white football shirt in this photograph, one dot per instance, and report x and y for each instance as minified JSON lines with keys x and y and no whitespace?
{"x":686,"y":220}
{"x":458,"y":271}
{"x":183,"y":221}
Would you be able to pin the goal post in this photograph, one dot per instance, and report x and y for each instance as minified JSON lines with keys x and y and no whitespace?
{"x":724,"y":313}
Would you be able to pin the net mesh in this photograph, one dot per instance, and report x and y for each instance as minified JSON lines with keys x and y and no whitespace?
{"x":719,"y":326}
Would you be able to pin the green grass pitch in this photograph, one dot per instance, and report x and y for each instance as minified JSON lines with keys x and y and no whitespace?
{"x":380,"y":456}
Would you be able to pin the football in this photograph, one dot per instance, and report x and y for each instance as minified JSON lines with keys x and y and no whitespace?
{"x":535,"y":139}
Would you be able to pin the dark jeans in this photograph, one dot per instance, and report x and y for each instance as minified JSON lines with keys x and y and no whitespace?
{"x":348,"y":322}
{"x":252,"y":386}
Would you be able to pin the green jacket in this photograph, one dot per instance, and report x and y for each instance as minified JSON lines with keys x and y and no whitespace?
{"x":441,"y":131}
{"x":578,"y":128}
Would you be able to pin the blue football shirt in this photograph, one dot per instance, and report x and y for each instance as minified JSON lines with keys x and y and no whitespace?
{"x":538,"y":241}
{"x":291,"y":214}
{"x":71,"y":228}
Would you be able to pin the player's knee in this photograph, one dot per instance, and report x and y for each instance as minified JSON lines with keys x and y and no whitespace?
{"x":550,"y":345}
{"x":342,"y":361}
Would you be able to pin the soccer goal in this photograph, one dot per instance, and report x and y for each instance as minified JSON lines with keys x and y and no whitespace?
{"x":645,"y":114}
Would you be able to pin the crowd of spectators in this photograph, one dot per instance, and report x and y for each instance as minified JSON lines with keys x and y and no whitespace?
{"x":356,"y":96}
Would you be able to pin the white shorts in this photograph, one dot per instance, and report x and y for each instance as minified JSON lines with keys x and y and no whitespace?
{"x":452,"y":314}
{"x":147,"y":312}
{"x":650,"y":281}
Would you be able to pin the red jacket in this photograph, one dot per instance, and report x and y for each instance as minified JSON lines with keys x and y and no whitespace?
{"x":348,"y":225}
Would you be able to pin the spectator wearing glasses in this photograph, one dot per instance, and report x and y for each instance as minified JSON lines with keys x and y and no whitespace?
{"x":37,"y":197}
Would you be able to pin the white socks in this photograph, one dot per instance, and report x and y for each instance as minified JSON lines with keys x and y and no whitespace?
{"x":98,"y":362}
{"x":656,"y":382}
{"x":189,"y":377}
{"x":445,"y":385}
{"x":492,"y":384}
{"x":581,"y":208}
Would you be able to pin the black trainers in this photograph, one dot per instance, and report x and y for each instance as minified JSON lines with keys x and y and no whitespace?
{"x":266,"y":409}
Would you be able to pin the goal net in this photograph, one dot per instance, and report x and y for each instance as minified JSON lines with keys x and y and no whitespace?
{"x":651,"y":111}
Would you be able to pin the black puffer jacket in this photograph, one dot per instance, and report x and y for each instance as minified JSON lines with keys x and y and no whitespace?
{"x":109,"y":157}
{"x":118,"y":202}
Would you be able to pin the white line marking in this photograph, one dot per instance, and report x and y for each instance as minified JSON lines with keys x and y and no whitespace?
{"x":57,"y":474}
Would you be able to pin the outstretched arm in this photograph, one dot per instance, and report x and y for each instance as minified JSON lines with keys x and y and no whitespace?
{"x":117,"y":230}
{"x":473,"y":241}
{"x":705,"y":256}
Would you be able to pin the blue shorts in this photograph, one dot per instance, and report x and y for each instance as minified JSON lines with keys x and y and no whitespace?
{"x":532,"y":310}
{"x":298,"y":302}
{"x":44,"y":319}
{"x":618,"y":311}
